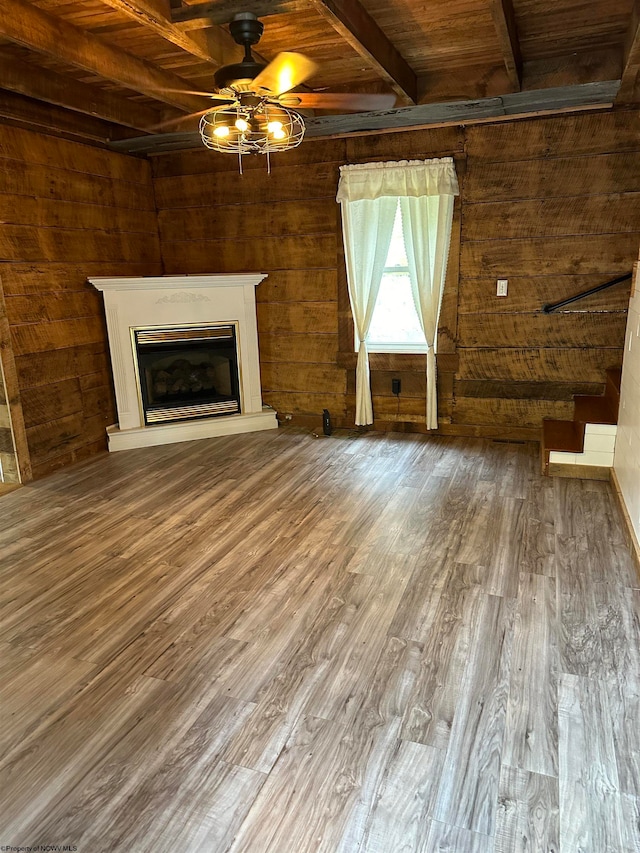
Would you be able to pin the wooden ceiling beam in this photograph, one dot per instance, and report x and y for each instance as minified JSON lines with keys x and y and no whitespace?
{"x":557,"y":101}
{"x":505,"y":24}
{"x":213,"y":45}
{"x":356,"y":26}
{"x":629,"y":92}
{"x":222,"y":11}
{"x":23,"y":23}
{"x":20,"y":111}
{"x":34,"y":82}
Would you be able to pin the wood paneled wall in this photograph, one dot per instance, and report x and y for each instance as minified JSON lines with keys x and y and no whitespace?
{"x":68,"y":211}
{"x":287,"y":224}
{"x":552,"y":204}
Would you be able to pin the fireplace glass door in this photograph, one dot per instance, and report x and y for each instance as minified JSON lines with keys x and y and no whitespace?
{"x":188,"y":372}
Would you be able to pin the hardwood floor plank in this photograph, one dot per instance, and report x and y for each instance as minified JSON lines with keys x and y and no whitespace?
{"x":468,"y":791}
{"x":579,"y":647}
{"x":631,"y":823}
{"x":531,"y":740}
{"x":571,"y":510}
{"x":316,"y":776}
{"x":444,"y":838}
{"x":623,"y":695}
{"x":399,"y":820}
{"x":590,"y":808}
{"x":538,"y":547}
{"x":528,"y":814}
{"x":416,"y":611}
{"x":282,"y":702}
{"x":32,"y":686}
{"x":66,"y":749}
{"x":506,"y":545}
{"x":144,"y":778}
{"x":199,"y":824}
{"x":355,"y":648}
{"x":474,"y":547}
{"x":618,"y":623}
{"x":437,"y":690}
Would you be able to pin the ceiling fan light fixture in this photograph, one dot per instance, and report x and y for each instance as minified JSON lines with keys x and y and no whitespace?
{"x":261,"y":129}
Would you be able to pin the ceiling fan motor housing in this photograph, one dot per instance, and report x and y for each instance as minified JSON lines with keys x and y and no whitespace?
{"x":246,"y":29}
{"x":230,"y":74}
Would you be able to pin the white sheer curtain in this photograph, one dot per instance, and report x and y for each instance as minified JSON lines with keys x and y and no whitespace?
{"x":426,"y":226}
{"x":367,"y":226}
{"x":368,"y":195}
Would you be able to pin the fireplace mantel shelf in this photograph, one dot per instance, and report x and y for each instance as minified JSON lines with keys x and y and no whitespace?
{"x":175,"y":282}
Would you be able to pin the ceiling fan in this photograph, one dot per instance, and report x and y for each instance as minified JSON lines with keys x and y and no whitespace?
{"x":256,"y":109}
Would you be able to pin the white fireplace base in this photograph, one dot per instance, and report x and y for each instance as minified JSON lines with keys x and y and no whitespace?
{"x":151,"y":436}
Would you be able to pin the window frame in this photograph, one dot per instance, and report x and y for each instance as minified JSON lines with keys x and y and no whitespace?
{"x":406,"y":347}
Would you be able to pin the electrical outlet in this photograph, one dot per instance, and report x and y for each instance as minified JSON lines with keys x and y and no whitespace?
{"x":395,"y":386}
{"x":501,"y":289}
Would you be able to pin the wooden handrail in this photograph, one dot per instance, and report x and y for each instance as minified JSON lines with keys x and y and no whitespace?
{"x":553,"y":306}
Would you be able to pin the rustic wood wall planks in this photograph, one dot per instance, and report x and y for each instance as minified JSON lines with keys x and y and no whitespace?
{"x":286,"y":224}
{"x":68,"y":211}
{"x":552,"y":204}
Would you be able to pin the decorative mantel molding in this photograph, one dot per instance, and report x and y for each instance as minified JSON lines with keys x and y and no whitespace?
{"x":167,"y":301}
{"x":175,"y":282}
{"x":183,"y":296}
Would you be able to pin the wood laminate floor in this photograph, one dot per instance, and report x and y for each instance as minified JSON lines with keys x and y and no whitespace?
{"x":272,"y":643}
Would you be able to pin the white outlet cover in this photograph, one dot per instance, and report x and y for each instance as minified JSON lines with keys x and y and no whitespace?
{"x":501,"y":288}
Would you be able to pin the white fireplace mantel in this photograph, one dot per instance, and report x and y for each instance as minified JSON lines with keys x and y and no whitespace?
{"x":166,"y":301}
{"x":175,"y":282}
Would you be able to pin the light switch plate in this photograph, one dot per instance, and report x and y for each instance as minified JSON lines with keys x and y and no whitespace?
{"x":501,"y":289}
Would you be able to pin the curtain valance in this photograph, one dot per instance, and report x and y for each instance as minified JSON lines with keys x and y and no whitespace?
{"x":408,"y":178}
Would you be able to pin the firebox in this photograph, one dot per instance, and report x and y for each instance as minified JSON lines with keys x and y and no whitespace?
{"x":187,"y":372}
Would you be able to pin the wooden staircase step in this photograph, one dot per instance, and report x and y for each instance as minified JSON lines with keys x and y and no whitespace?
{"x":567,"y":436}
{"x":595,"y":410}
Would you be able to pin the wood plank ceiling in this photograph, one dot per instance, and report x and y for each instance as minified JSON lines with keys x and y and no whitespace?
{"x":111,"y":69}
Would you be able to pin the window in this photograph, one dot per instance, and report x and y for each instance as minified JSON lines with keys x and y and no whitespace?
{"x":387,"y":208}
{"x":395,"y":326}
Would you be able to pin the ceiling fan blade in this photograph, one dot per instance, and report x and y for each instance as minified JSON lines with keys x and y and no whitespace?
{"x":285,"y":72}
{"x":180,"y":119}
{"x":200,"y":93}
{"x":339,"y":101}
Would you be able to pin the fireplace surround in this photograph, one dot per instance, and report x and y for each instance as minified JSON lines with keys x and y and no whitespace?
{"x":184,"y":355}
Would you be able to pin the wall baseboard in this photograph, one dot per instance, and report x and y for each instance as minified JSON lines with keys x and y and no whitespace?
{"x":630,"y":534}
{"x":582,"y":472}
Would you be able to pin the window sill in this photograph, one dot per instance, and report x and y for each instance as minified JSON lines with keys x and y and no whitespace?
{"x":400,"y":349}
